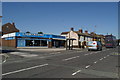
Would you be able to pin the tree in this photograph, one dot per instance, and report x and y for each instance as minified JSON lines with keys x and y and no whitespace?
{"x":40,"y":32}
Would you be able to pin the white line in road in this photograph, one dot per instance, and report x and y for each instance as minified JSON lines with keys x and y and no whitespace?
{"x":76,"y":72}
{"x":70,"y":58}
{"x":91,"y":53}
{"x":55,"y":53}
{"x":95,"y":52}
{"x":108,"y":55}
{"x":24,"y":69}
{"x":87,"y":66}
{"x":58,"y":52}
{"x":104,"y":57}
{"x":23,"y":54}
{"x":86,"y":54}
{"x":79,"y":51}
{"x":95,"y":62}
{"x":101,"y":59}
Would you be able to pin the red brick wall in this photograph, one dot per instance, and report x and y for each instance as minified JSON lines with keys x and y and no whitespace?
{"x":9,"y":43}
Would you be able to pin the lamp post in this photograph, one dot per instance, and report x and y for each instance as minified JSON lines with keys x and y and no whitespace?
{"x":69,"y":40}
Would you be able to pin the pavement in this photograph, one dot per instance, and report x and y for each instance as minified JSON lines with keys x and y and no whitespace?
{"x":77,"y":63}
{"x":42,"y":49}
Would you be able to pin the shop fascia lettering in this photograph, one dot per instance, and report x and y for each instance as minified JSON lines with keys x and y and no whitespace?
{"x":29,"y":34}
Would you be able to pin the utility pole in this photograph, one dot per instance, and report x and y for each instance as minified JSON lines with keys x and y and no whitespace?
{"x":94,"y":33}
{"x":69,"y":40}
{"x":1,"y":31}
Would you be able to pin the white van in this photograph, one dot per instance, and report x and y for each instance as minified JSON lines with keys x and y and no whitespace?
{"x":94,"y":45}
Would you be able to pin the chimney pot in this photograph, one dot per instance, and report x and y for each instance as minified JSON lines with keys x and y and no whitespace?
{"x":86,"y":31}
{"x":80,"y":30}
{"x":13,"y":23}
{"x":72,"y":29}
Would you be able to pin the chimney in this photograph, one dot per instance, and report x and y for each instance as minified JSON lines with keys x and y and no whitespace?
{"x":13,"y":23}
{"x":92,"y":33}
{"x":80,"y":30}
{"x":86,"y":31}
{"x":72,"y":29}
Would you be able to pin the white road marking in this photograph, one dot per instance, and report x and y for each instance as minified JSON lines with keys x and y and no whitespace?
{"x":95,"y":62}
{"x":108,"y":49}
{"x":108,"y":55}
{"x":79,"y":51}
{"x":70,"y":58}
{"x":52,"y":53}
{"x":87,"y":66}
{"x":76,"y":72}
{"x":101,"y":59}
{"x":24,"y":69}
{"x":104,"y":57}
{"x":23,"y":54}
{"x":4,"y":61}
{"x":86,"y":54}
{"x":91,"y":53}
{"x":55,"y":53}
{"x":95,"y":52}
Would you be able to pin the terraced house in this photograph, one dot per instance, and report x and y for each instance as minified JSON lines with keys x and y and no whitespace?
{"x":81,"y":37}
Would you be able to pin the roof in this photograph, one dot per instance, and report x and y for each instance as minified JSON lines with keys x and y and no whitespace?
{"x":9,"y":28}
{"x":85,"y":34}
{"x":65,"y":32}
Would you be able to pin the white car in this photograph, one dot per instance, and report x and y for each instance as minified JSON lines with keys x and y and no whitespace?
{"x":94,"y":45}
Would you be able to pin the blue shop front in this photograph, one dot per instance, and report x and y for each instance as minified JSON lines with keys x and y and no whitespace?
{"x":39,"y":40}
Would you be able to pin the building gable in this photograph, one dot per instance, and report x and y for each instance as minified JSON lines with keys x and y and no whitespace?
{"x":9,"y":28}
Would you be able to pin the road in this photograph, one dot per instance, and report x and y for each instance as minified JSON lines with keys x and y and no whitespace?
{"x":63,"y":64}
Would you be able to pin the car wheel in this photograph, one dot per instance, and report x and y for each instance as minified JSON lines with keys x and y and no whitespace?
{"x":98,"y":49}
{"x":88,"y":49}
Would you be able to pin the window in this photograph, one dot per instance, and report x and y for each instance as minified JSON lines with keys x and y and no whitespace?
{"x":29,"y":43}
{"x":43,"y":42}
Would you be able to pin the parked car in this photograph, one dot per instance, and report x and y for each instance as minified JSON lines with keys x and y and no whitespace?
{"x":94,"y":45}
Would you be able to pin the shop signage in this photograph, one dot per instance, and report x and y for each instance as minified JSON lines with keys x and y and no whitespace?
{"x":9,"y":38}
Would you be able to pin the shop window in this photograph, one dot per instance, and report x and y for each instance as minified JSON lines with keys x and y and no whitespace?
{"x":43,"y":42}
{"x":29,"y":43}
{"x":37,"y":43}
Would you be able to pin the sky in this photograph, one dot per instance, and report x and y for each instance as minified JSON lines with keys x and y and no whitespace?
{"x":57,"y":17}
{"x":60,"y":0}
{"x":0,"y":8}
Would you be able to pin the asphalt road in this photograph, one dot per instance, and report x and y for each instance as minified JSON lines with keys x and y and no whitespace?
{"x":63,"y":64}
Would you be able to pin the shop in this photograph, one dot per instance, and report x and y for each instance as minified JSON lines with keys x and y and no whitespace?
{"x":21,"y":40}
